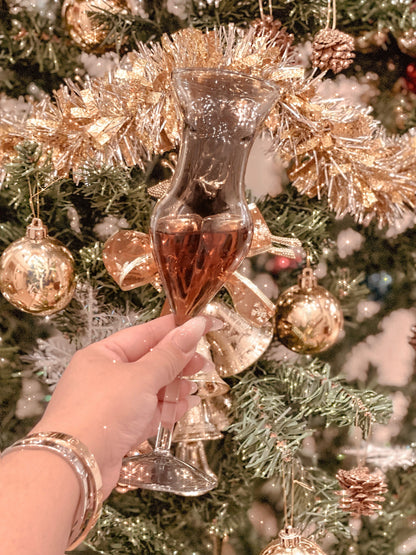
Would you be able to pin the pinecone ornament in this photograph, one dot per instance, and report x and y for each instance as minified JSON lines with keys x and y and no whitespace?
{"x":273,"y":29}
{"x":159,"y":190}
{"x":332,"y":49}
{"x":362,"y":492}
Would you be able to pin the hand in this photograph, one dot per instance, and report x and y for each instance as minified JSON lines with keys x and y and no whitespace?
{"x":110,"y":395}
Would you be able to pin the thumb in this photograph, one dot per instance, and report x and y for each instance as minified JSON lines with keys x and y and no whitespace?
{"x":168,"y":358}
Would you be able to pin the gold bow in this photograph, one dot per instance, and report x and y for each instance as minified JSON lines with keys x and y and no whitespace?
{"x":128,"y":257}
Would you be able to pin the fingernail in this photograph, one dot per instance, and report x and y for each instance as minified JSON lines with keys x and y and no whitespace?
{"x":187,"y":336}
{"x":213,"y":324}
{"x":197,"y":362}
{"x":193,"y":401}
{"x":208,"y":368}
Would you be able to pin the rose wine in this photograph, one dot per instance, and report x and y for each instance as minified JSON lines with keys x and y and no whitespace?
{"x":195,"y":257}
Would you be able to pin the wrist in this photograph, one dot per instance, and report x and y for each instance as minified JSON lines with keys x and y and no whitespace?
{"x":98,"y":445}
{"x":84,"y":467}
{"x":38,"y":501}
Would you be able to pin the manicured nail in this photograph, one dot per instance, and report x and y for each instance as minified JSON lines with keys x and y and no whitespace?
{"x":193,"y":401}
{"x":196,"y":363}
{"x":213,"y":324}
{"x":187,"y":336}
{"x":208,"y":367}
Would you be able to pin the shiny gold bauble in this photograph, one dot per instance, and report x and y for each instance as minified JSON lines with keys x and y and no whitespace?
{"x":83,"y":29}
{"x":292,"y":543}
{"x":308,"y":318}
{"x":37,"y":272}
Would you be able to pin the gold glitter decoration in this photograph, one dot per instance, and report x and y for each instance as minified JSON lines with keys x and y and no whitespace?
{"x":331,"y":149}
{"x":162,"y":188}
{"x":290,"y":542}
{"x":37,"y":272}
{"x":83,"y":29}
{"x":308,"y":318}
{"x":7,"y":143}
{"x":220,"y":410}
{"x":124,"y":116}
{"x":332,"y":49}
{"x":362,"y":491}
{"x":350,"y":160}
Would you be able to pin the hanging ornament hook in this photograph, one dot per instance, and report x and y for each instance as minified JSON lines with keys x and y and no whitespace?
{"x":290,"y":539}
{"x":262,"y":16}
{"x":362,"y":433}
{"x":332,"y":3}
{"x":307,"y":279}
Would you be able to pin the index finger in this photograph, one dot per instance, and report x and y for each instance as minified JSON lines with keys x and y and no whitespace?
{"x":132,"y":343}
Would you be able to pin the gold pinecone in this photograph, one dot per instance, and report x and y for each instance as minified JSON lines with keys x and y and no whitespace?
{"x":332,"y":49}
{"x":159,"y":190}
{"x":362,"y":492}
{"x":272,"y":28}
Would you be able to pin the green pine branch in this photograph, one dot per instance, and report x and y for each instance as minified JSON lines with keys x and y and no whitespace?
{"x":124,"y":30}
{"x":30,"y":171}
{"x":349,"y":291}
{"x":291,"y":214}
{"x":148,"y":522}
{"x":278,"y":405}
{"x":305,"y":19}
{"x":36,"y":50}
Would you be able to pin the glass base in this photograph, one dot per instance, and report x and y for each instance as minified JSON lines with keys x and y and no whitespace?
{"x":164,"y":472}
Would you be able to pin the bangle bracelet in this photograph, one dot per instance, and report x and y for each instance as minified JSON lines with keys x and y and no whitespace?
{"x":88,"y":474}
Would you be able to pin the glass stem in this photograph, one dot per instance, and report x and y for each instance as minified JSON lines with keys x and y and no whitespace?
{"x":167,"y":417}
{"x":163,"y":439}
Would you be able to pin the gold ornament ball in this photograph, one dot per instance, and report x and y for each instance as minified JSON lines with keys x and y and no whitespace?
{"x":292,"y":543}
{"x":308,"y":318}
{"x":37,"y":272}
{"x":83,"y":29}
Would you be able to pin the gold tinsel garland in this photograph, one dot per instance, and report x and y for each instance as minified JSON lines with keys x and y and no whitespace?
{"x":11,"y":123}
{"x":331,"y":149}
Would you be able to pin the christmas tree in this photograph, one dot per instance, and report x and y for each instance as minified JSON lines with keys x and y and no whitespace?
{"x":309,"y":423}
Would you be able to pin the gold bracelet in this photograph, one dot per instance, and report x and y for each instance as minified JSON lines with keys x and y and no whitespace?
{"x":86,"y":468}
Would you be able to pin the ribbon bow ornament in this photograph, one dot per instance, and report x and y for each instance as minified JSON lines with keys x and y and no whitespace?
{"x":128,"y":258}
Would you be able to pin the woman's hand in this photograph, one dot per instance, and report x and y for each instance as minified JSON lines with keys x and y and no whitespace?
{"x":110,"y":395}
